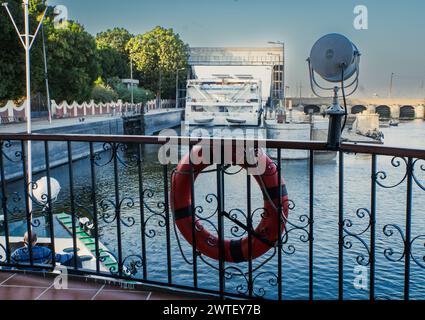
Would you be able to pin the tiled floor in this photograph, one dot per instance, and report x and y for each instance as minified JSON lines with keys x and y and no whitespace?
{"x":20,"y":286}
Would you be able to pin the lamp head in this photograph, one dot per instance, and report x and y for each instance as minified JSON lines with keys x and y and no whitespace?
{"x":332,"y":55}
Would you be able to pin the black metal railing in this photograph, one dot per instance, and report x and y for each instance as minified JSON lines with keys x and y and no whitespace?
{"x":132,"y":220}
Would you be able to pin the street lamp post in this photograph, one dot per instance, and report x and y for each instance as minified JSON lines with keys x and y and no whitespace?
{"x":159,"y":96}
{"x":391,"y":84}
{"x":27,"y":44}
{"x":132,"y":84}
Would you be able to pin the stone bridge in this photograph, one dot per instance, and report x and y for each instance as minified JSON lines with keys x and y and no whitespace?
{"x":404,"y":109}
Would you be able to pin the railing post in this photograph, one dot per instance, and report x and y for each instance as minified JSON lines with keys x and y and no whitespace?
{"x":94,"y":201}
{"x":409,"y":204}
{"x":72,"y":195}
{"x":4,"y":203}
{"x":49,"y":202}
{"x":279,"y":224}
{"x":142,"y":209}
{"x":250,"y":228}
{"x":311,"y":242}
{"x":167,"y":224}
{"x":193,"y":210}
{"x":28,"y":205}
{"x":373,"y":229}
{"x":220,"y":200}
{"x":341,"y":228}
{"x":115,"y":147}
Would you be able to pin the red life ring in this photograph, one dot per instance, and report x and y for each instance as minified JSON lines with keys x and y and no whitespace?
{"x":234,"y":250}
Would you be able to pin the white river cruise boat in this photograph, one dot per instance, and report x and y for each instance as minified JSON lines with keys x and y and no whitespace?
{"x":226,"y":101}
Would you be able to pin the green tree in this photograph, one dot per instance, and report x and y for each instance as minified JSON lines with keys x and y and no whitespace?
{"x":71,"y":52}
{"x":116,"y":38}
{"x":113,"y":57}
{"x":157,"y":55}
{"x":12,"y":54}
{"x":113,"y":64}
{"x":73,"y":62}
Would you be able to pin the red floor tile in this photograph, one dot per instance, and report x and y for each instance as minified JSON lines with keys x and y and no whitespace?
{"x":14,"y":293}
{"x":31,"y":286}
{"x":81,"y":283}
{"x":24,"y":280}
{"x":4,"y":276}
{"x":53,"y":294}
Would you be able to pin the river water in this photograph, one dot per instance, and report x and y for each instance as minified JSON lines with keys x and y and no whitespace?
{"x":390,"y":211}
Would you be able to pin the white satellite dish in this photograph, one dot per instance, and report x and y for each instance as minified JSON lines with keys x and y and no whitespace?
{"x":332,"y":55}
{"x":41,"y":192}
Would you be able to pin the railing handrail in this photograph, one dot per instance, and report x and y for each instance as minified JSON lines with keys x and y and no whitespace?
{"x":269,"y":143}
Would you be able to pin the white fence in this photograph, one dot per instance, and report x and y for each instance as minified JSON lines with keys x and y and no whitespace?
{"x":12,"y":113}
{"x":65,"y":110}
{"x":164,"y":104}
{"x":17,"y":113}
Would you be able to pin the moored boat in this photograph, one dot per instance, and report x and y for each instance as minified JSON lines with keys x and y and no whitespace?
{"x":223,"y":101}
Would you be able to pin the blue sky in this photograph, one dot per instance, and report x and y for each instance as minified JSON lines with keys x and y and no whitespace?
{"x":394,"y":42}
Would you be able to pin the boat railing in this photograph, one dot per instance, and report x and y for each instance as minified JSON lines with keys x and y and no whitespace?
{"x":140,"y":223}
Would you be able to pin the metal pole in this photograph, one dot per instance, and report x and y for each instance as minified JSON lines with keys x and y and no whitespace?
{"x":132,"y":85}
{"x":301,"y":90}
{"x":271,"y":93}
{"x":177,"y":89}
{"x":283,"y":79}
{"x":160,"y":90}
{"x":28,"y":106}
{"x":27,"y":44}
{"x":46,"y":76}
{"x":391,"y":84}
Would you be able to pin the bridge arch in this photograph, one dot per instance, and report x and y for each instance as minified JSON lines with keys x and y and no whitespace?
{"x":384,"y":112}
{"x":358,"y":109}
{"x":407,"y":113}
{"x":312,"y":108}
